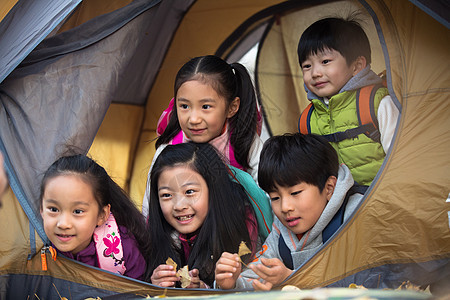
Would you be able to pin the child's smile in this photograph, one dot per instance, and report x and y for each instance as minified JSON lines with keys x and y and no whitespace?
{"x":326,"y":72}
{"x":184,"y":219}
{"x":64,"y":237}
{"x":70,"y":213}
{"x":202,"y":113}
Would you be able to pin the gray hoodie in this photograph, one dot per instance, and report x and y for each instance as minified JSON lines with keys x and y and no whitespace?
{"x":314,"y":239}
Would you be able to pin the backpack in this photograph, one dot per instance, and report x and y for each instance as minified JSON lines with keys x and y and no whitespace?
{"x":367,"y":118}
{"x":329,"y":230}
{"x":258,"y":199}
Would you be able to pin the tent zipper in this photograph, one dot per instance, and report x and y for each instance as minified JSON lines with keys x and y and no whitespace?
{"x":44,"y":256}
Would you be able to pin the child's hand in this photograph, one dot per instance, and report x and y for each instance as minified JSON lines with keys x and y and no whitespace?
{"x":272,"y":271}
{"x":228,"y":268}
{"x":164,"y":276}
{"x":195,"y":280}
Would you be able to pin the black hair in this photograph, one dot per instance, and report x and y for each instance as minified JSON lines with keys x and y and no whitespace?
{"x":105,"y":191}
{"x":229,"y":81}
{"x":343,"y":35}
{"x":289,"y":159}
{"x":224,"y":227}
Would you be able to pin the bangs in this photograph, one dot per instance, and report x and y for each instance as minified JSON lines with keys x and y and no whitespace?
{"x":285,"y":171}
{"x":322,"y":42}
{"x":281,"y":177}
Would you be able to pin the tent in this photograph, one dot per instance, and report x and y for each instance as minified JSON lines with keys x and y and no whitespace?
{"x":95,"y":75}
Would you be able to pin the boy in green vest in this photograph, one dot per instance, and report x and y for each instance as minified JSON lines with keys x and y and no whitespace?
{"x":335,"y":56}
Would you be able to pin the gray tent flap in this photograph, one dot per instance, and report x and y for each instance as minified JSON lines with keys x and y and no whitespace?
{"x":89,"y":32}
{"x":57,"y":104}
{"x":391,"y":276}
{"x":25,"y":26}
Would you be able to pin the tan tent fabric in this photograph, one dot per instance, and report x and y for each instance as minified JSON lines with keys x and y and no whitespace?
{"x":16,"y":234}
{"x":116,"y":140}
{"x":5,"y":7}
{"x":404,"y":218}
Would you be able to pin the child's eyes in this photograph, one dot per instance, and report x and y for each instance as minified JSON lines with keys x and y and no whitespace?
{"x":184,"y":106}
{"x":78,"y":211}
{"x":52,"y":209}
{"x":206,"y":106}
{"x":325,"y":61}
{"x":274,"y":198}
{"x":190,"y":192}
{"x":295,"y":193}
{"x":306,"y":66}
{"x":164,"y":196}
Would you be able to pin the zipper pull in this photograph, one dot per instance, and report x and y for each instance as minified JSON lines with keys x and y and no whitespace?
{"x":44,"y":258}
{"x":53,"y":252}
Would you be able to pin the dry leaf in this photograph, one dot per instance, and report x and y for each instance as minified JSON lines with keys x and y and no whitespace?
{"x":243,"y":249}
{"x":185,"y":279}
{"x":355,"y":286}
{"x":170,"y":262}
{"x":159,"y":296}
{"x":183,"y":273}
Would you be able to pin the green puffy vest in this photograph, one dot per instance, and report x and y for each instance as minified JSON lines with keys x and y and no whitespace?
{"x":362,"y":155}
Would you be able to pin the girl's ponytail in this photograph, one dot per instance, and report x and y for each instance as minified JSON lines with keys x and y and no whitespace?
{"x":243,"y":125}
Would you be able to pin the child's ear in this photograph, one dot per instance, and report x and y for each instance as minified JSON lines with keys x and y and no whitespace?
{"x":233,"y":107}
{"x":104,"y":215}
{"x":330,"y":185}
{"x":359,"y":64}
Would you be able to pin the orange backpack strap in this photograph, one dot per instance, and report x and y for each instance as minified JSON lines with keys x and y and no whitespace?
{"x":365,"y":110}
{"x":304,"y":125}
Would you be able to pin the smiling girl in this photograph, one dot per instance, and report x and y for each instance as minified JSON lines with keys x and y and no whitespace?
{"x":214,"y":102}
{"x":89,"y":218}
{"x":196,"y":212}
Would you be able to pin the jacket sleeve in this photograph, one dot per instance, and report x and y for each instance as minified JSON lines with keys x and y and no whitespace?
{"x":254,"y":154}
{"x":269,"y":250}
{"x":134,"y":261}
{"x":387,"y":116}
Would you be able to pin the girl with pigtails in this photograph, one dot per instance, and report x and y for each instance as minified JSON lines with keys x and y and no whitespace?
{"x":214,"y":102}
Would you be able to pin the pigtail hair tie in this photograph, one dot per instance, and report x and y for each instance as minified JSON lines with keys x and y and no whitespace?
{"x":232,"y":69}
